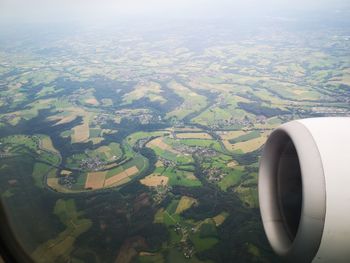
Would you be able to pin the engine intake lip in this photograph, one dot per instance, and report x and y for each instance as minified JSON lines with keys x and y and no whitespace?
{"x":303,"y":244}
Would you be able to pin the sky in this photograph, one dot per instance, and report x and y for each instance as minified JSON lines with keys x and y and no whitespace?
{"x":95,"y":10}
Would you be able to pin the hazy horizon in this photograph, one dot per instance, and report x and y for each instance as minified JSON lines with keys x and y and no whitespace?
{"x":39,"y":11}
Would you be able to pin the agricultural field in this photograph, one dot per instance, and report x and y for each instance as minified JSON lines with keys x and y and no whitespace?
{"x":95,"y":180}
{"x":184,"y":204}
{"x":150,"y":90}
{"x":193,"y":102}
{"x":250,"y":145}
{"x":81,"y":132}
{"x":197,"y":135}
{"x":63,"y":244}
{"x":143,"y":145}
{"x":159,"y":143}
{"x":100,"y":157}
{"x":154,"y":180}
{"x":121,"y":177}
{"x":177,"y":176}
{"x":137,"y":136}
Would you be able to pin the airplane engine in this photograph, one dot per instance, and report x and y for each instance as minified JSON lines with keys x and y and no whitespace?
{"x":304,"y":190}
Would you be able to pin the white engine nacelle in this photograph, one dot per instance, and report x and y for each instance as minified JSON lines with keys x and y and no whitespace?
{"x":304,"y":190}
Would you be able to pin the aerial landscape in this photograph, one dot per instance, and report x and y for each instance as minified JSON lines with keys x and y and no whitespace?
{"x":142,"y":143}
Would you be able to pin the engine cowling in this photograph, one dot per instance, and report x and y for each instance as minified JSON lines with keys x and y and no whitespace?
{"x":304,"y":190}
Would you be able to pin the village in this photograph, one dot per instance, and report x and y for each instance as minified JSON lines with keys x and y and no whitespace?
{"x":91,"y":164}
{"x":246,"y":122}
{"x":143,"y":116}
{"x":214,"y":175}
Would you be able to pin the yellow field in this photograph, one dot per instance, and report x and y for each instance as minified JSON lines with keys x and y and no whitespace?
{"x":194,"y":135}
{"x":131,"y":171}
{"x":155,"y":180}
{"x":65,"y":119}
{"x":109,"y":166}
{"x":106,"y":150}
{"x":81,"y":132}
{"x":232,"y":164}
{"x":251,"y":145}
{"x":46,"y":144}
{"x":95,"y":180}
{"x":159,"y":164}
{"x":220,"y":218}
{"x":71,"y":114}
{"x":229,"y":135}
{"x":240,"y":99}
{"x":228,"y":145}
{"x":188,"y":129}
{"x":115,"y":179}
{"x":52,"y":182}
{"x":299,"y":91}
{"x":190,"y":176}
{"x":147,"y":89}
{"x":184,"y":204}
{"x":246,"y":146}
{"x":92,"y":101}
{"x":158,"y":217}
{"x":123,"y":181}
{"x":158,"y":142}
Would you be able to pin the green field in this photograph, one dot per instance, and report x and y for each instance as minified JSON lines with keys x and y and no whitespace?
{"x":231,"y":179}
{"x":193,"y":102}
{"x":63,"y":244}
{"x":40,"y":169}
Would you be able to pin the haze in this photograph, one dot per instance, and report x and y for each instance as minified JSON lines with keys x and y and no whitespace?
{"x":94,"y":11}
